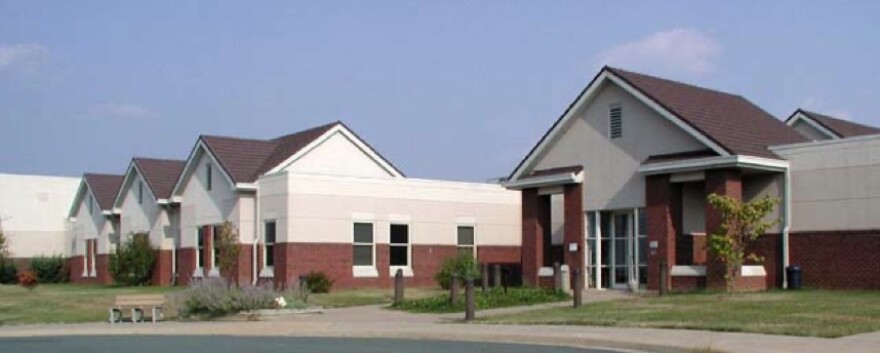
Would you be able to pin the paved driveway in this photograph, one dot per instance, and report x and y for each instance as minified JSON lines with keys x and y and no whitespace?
{"x":225,"y":344}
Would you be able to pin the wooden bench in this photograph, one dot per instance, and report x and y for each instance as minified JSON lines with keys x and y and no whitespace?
{"x":138,"y":304}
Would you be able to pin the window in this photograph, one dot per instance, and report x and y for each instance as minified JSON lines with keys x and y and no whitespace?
{"x":269,"y":244}
{"x":363,"y":244}
{"x":208,"y":176}
{"x":615,"y":116}
{"x":200,"y":246}
{"x":399,"y":245}
{"x":466,"y":240}
{"x":91,"y":201}
{"x":215,"y":248}
{"x":140,"y":192}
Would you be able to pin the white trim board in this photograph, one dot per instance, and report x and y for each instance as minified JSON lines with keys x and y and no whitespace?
{"x":696,"y":164}
{"x":799,"y":115}
{"x":587,"y":96}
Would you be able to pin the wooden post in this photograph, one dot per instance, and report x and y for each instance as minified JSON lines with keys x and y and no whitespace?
{"x":578,"y":288}
{"x":398,"y":286}
{"x":469,"y":304}
{"x":663,"y":280}
{"x":557,"y":276}
{"x":497,"y":270}
{"x":484,"y":278}
{"x":453,"y":290}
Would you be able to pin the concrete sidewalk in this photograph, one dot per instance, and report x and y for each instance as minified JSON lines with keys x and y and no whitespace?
{"x":376,"y":322}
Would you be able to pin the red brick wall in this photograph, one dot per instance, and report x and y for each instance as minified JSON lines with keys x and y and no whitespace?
{"x":688,"y":283}
{"x":186,"y":265}
{"x":102,"y":263}
{"x":573,"y":223}
{"x":162,"y":268}
{"x":535,"y":222}
{"x":243,"y":270}
{"x":75,"y":266}
{"x":663,"y":210}
{"x":335,"y":259}
{"x":837,"y":259}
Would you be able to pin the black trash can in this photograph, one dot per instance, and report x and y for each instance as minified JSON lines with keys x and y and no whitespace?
{"x":794,"y":277}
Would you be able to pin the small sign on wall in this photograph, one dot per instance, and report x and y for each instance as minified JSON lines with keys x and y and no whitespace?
{"x":572,"y":247}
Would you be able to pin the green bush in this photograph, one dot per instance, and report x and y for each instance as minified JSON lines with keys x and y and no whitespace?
{"x":132,"y":264}
{"x":8,"y":272}
{"x":50,"y":269}
{"x":463,"y":266}
{"x":215,"y":297}
{"x":318,"y":282}
{"x":494,"y":298}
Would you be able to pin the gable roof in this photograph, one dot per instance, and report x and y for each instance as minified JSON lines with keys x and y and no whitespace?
{"x":104,"y":187}
{"x":735,"y":123}
{"x":728,"y":124}
{"x":244,"y":160}
{"x":160,"y":174}
{"x":843,"y":128}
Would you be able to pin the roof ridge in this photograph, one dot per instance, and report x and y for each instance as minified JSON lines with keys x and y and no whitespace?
{"x":311,"y":129}
{"x":613,"y":69}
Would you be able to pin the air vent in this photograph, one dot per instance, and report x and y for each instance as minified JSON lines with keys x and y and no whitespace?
{"x":615,"y":116}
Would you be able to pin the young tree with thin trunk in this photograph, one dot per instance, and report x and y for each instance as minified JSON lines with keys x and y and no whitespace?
{"x":742,"y":223}
{"x":229,"y":250}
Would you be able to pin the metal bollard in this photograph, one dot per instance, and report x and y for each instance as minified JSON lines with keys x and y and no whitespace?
{"x":497,"y":270}
{"x":663,"y":279}
{"x":484,"y":278}
{"x":578,"y":288}
{"x":398,"y":286}
{"x":453,"y":289}
{"x":469,"y":304}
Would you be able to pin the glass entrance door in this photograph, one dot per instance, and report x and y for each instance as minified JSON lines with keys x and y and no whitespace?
{"x":619,"y":241}
{"x":619,"y":253}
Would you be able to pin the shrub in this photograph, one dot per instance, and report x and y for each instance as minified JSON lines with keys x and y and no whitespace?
{"x":4,"y":243}
{"x":495,"y":298}
{"x":28,"y":279}
{"x":132,"y":264}
{"x":50,"y":269}
{"x":318,"y":282}
{"x":227,"y":244}
{"x":462,"y":266}
{"x":214,"y":297}
{"x":8,"y":272}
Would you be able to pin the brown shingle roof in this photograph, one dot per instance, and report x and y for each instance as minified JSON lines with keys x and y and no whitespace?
{"x":246,"y":159}
{"x":104,"y":187}
{"x":160,"y":174}
{"x":841,"y":127}
{"x":731,"y":121}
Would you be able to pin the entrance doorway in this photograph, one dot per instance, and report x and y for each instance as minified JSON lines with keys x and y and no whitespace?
{"x":617,"y":243}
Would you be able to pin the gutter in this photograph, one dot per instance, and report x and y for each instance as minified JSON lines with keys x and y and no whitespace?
{"x":257,"y":223}
{"x":786,"y":227}
{"x":546,"y":180}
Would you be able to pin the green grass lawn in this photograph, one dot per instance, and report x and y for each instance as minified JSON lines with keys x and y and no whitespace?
{"x":57,"y":303}
{"x":799,"y":313}
{"x":359,"y":297}
{"x":495,"y":298}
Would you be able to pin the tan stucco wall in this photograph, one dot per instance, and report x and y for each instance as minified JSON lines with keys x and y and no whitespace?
{"x":322,"y":209}
{"x":835,"y":184}
{"x":338,"y":155}
{"x":33,"y":212}
{"x":204,"y":207}
{"x":611,"y":178}
{"x":809,"y":131}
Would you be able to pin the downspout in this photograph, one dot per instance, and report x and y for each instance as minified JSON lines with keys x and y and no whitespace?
{"x":173,"y":246}
{"x":786,"y":226}
{"x":257,"y":224}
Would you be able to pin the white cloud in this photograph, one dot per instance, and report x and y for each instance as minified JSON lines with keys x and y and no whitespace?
{"x":675,"y":51}
{"x":120,"y":111}
{"x":21,"y":56}
{"x":820,"y":106}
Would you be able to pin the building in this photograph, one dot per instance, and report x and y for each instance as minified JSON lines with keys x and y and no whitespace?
{"x":626,"y":170}
{"x":33,"y":214}
{"x":94,"y":225}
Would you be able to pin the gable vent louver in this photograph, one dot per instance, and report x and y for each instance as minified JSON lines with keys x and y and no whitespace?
{"x":615,"y":116}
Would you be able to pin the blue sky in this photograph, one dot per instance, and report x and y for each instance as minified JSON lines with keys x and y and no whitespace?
{"x":452,"y":90}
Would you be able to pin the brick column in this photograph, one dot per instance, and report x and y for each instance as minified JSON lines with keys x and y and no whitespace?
{"x":663,"y":214}
{"x":535,"y":223}
{"x":207,"y":249}
{"x":727,"y":182}
{"x":573,"y":231}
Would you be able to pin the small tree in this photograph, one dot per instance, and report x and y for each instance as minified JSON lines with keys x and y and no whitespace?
{"x":132,"y":264}
{"x":4,"y":243}
{"x":462,"y":266}
{"x":228,"y":249}
{"x":742,"y":223}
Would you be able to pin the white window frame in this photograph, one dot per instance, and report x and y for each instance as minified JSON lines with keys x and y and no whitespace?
{"x":209,"y":175}
{"x":200,"y":249}
{"x":474,"y":228}
{"x":407,"y":270}
{"x":364,"y":270}
{"x":215,"y":256}
{"x":269,"y":271}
